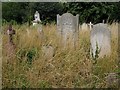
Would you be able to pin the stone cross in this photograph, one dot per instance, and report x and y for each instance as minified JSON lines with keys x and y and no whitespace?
{"x":10,"y":33}
{"x":10,"y":45}
{"x":90,"y":25}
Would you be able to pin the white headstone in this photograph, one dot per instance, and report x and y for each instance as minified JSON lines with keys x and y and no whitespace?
{"x":103,"y":21}
{"x":68,"y":28}
{"x":37,"y":18}
{"x":101,"y":38}
{"x":84,"y":27}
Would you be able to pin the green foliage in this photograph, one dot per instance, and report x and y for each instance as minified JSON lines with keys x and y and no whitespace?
{"x":24,"y":82}
{"x":88,"y":11}
{"x":13,"y":22}
{"x":94,"y":12}
{"x":68,"y":68}
{"x":23,"y":12}
{"x":14,"y":11}
{"x":4,"y":22}
{"x":29,"y":54}
{"x":21,"y":54}
{"x":96,"y":53}
{"x":44,"y":84}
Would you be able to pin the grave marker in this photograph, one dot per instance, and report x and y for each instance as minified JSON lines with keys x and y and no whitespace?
{"x":68,"y":28}
{"x":90,"y":25}
{"x":10,"y":45}
{"x":100,"y":40}
{"x":40,"y":33}
{"x":37,"y":18}
{"x":84,"y":27}
{"x":10,"y":33}
{"x":112,"y":80}
{"x":48,"y":52}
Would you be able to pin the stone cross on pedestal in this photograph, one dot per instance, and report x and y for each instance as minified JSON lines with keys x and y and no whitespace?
{"x":10,"y":33}
{"x":10,"y":46}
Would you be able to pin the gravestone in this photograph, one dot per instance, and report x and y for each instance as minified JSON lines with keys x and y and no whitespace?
{"x":68,"y":29}
{"x":37,"y":18}
{"x":40,"y":33}
{"x":100,"y":40}
{"x":48,"y":52}
{"x":84,"y":27}
{"x":112,"y":80}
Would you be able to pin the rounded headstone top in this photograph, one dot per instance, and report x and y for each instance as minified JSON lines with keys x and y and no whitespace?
{"x":100,"y":28}
{"x":100,"y":24}
{"x":36,"y":11}
{"x":67,"y":14}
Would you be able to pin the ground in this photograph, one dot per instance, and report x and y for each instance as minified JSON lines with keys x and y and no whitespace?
{"x":68,"y":68}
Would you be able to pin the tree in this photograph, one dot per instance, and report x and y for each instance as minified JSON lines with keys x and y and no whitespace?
{"x":88,"y":11}
{"x":14,"y":11}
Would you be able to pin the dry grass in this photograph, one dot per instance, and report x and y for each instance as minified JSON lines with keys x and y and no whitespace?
{"x":68,"y":68}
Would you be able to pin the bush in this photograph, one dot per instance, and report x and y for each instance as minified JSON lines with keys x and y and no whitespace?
{"x":29,"y":54}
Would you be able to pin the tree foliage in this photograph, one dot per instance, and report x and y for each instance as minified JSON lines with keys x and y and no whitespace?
{"x":88,"y":11}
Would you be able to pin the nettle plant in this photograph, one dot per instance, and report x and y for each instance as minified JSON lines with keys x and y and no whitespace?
{"x":29,"y":54}
{"x":97,"y":51}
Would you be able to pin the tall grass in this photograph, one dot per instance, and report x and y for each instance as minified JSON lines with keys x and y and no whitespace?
{"x":68,"y":68}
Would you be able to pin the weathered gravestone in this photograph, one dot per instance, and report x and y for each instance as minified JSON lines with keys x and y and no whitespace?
{"x":40,"y":33}
{"x":112,"y":80}
{"x":68,"y":28}
{"x":48,"y":52}
{"x":100,"y":40}
{"x":84,"y":27}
